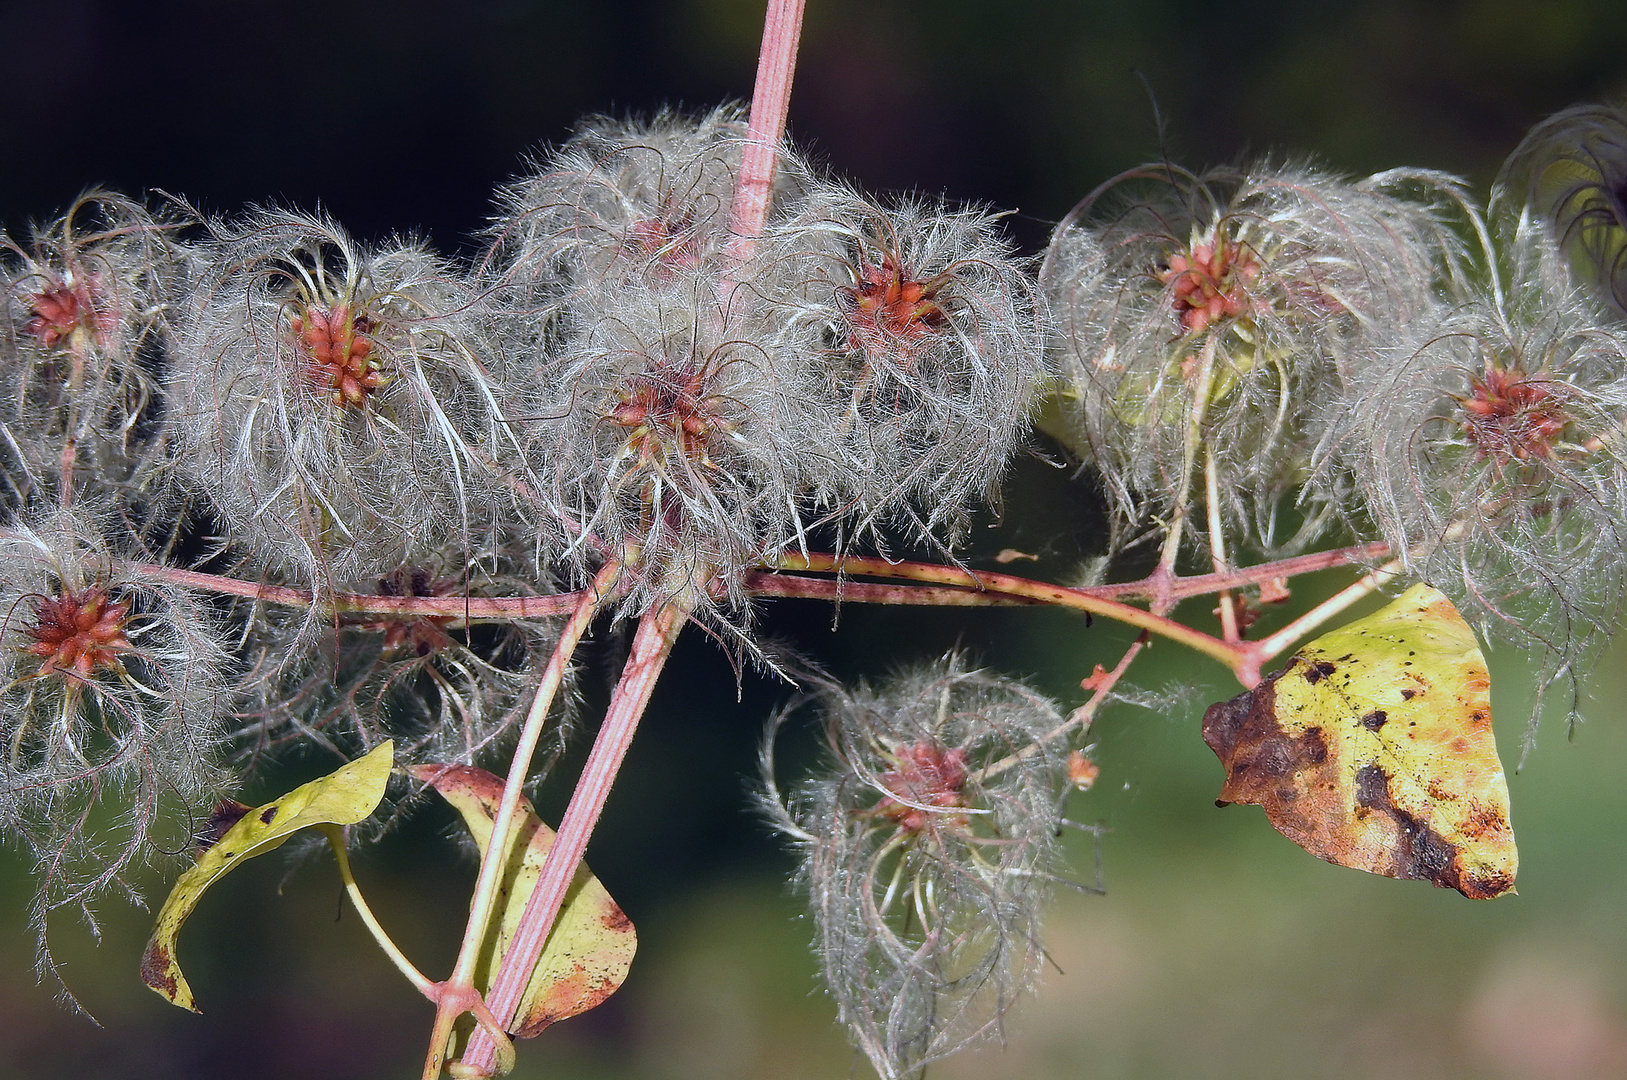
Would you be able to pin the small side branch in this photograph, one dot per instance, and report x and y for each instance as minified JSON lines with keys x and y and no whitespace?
{"x":455,"y":607}
{"x":652,"y":645}
{"x":458,"y":995}
{"x":1233,"y":656}
{"x":1267,"y":648}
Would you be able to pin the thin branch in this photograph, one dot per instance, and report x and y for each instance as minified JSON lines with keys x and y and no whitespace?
{"x":652,"y":645}
{"x":1233,"y":656}
{"x":456,"y":607}
{"x":1101,"y":683}
{"x":838,"y":591}
{"x":1143,"y":589}
{"x":1217,"y":543}
{"x":1259,"y":652}
{"x":1203,"y":584}
{"x":457,"y":994}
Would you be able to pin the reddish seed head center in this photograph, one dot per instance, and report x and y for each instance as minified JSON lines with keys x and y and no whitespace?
{"x":660,"y":410}
{"x":78,"y":632}
{"x":671,"y":243}
{"x":339,"y":355}
{"x":886,"y":305}
{"x":1210,"y":282}
{"x":926,"y":775}
{"x":1511,"y":417}
{"x":419,"y":635}
{"x":56,"y":312}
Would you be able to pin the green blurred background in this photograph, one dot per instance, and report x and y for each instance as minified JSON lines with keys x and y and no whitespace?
{"x":1219,"y":950}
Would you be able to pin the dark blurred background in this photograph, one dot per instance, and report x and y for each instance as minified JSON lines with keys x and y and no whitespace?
{"x":1220,"y":951}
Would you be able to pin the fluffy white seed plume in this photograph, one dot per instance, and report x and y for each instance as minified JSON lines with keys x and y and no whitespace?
{"x":626,"y":202}
{"x":675,"y":398}
{"x":83,"y":332}
{"x":111,"y":691}
{"x":342,"y":407}
{"x":1203,"y":320}
{"x":1487,"y":447}
{"x":928,"y":852}
{"x":865,"y":364}
{"x":677,"y":446}
{"x":932,"y":354}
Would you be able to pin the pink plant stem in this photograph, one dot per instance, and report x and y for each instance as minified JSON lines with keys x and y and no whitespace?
{"x":1145,"y":589}
{"x":70,"y":455}
{"x":652,"y":644}
{"x":1202,"y":584}
{"x":1269,"y":647}
{"x":1038,"y":591}
{"x":658,"y":630}
{"x":1101,"y":684}
{"x":770,"y":101}
{"x":795,"y":586}
{"x":457,"y":994}
{"x":456,"y":607}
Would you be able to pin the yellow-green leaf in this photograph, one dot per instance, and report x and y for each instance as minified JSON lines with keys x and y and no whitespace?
{"x":343,"y":797}
{"x":1373,"y":749}
{"x":591,"y":946}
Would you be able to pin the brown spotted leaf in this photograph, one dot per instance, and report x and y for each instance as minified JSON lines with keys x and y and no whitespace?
{"x":343,"y":797}
{"x":591,"y":946}
{"x":1373,"y":749}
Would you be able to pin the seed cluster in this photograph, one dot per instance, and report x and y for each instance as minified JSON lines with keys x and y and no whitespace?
{"x":341,"y":355}
{"x":78,"y":633}
{"x":930,"y":847}
{"x":1246,"y":362}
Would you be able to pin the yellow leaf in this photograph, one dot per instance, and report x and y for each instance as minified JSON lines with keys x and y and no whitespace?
{"x":1373,"y":749}
{"x":591,"y":946}
{"x":343,"y":797}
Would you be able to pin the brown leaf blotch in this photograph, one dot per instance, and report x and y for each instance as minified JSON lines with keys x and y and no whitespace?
{"x":1374,"y":720}
{"x":156,"y":970}
{"x":1372,"y":787}
{"x":1256,"y":752}
{"x":1489,"y":887}
{"x":227,"y":812}
{"x":1319,"y":671}
{"x":1421,"y":854}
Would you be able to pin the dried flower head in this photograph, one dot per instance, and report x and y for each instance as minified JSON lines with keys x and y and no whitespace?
{"x":85,"y":324}
{"x":1569,"y":174}
{"x":674,"y":399}
{"x":928,"y":854}
{"x":343,"y":408}
{"x":1203,"y":320}
{"x":112,"y":690}
{"x":675,"y":448}
{"x":932,"y":353}
{"x":1487,"y":446}
{"x":627,"y":202}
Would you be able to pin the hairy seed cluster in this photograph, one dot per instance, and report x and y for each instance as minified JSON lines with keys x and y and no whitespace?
{"x":861,"y":365}
{"x":338,"y":405}
{"x":929,"y":849}
{"x":1247,"y":358}
{"x":1486,"y":449}
{"x":1205,"y":321}
{"x":111,"y":688}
